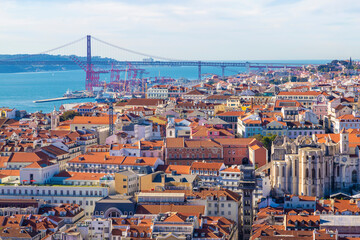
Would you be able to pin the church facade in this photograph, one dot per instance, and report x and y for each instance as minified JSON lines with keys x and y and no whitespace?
{"x":305,"y":166}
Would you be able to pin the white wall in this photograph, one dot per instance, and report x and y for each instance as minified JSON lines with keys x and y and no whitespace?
{"x":40,"y":175}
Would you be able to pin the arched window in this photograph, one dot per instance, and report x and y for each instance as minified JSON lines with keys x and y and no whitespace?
{"x":307,"y":173}
{"x":313,"y":173}
{"x":319,"y":175}
{"x":283,"y":171}
{"x":354,"y":176}
{"x":277,"y":171}
{"x":338,"y":171}
{"x":326,"y":170}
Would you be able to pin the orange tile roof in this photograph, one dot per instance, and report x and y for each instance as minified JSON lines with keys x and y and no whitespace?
{"x":348,"y":117}
{"x":24,"y":157}
{"x":10,"y":172}
{"x":40,"y":164}
{"x":180,"y":169}
{"x":337,"y":205}
{"x":91,"y":120}
{"x":144,"y":102}
{"x":232,"y":113}
{"x":201,"y":143}
{"x":303,"y":198}
{"x":287,"y":103}
{"x":231,"y":169}
{"x":104,"y":158}
{"x":155,"y":209}
{"x":175,"y":142}
{"x":3,"y":160}
{"x":307,"y":219}
{"x":176,"y":217}
{"x":140,"y":161}
{"x":203,"y":131}
{"x":206,"y":165}
{"x":236,"y":141}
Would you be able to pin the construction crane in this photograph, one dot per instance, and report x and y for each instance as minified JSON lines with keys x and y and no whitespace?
{"x":93,"y":80}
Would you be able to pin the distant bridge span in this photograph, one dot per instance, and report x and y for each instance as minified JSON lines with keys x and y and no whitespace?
{"x":198,"y":64}
{"x":92,"y":75}
{"x":163,"y":63}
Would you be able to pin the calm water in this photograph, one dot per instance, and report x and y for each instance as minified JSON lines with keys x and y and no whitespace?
{"x":19,"y":90}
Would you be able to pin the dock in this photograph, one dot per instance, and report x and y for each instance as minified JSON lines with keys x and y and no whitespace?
{"x":57,"y":99}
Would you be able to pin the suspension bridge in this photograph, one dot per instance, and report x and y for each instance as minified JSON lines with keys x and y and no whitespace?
{"x":131,"y":69}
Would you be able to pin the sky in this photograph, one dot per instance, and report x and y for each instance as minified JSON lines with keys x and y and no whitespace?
{"x":187,"y":29}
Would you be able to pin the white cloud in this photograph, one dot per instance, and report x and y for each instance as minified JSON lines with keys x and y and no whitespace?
{"x":189,"y":29}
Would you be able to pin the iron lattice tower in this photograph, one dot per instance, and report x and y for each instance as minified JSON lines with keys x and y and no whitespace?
{"x":111,"y":118}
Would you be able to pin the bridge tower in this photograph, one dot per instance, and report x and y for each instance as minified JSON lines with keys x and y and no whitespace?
{"x":88,"y":81}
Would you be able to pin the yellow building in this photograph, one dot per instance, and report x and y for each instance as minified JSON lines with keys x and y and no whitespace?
{"x":159,"y":120}
{"x":126,"y":182}
{"x":219,"y":108}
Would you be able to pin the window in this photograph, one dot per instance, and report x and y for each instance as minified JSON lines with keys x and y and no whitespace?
{"x":354,"y":176}
{"x":326,"y":170}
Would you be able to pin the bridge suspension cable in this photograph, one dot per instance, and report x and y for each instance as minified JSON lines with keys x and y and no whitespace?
{"x":43,"y":52}
{"x":135,"y":52}
{"x":62,"y":46}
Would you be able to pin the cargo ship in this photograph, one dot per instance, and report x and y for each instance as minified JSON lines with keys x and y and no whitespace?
{"x":75,"y":94}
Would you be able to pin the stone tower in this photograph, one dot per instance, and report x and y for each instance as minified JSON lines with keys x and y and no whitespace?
{"x":55,"y":119}
{"x":170,"y":128}
{"x":344,"y":141}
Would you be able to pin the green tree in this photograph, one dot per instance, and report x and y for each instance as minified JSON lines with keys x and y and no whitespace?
{"x":68,"y":115}
{"x":266,"y":140}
